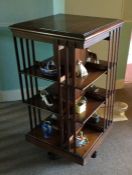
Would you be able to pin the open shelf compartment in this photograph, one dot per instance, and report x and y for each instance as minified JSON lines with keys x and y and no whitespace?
{"x":95,"y":138}
{"x":92,"y":106}
{"x":80,"y":82}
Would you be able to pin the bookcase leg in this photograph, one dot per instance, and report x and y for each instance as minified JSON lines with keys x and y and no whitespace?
{"x":94,"y":155}
{"x":53,"y":156}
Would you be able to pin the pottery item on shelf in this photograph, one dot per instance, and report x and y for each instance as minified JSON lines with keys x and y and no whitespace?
{"x":95,"y":118}
{"x":95,"y":93}
{"x":47,"y":129}
{"x":92,"y":57}
{"x":81,"y":140}
{"x":81,"y":105}
{"x":46,"y":98}
{"x":53,"y":118}
{"x":81,"y":70}
{"x":49,"y":69}
{"x":95,"y":61}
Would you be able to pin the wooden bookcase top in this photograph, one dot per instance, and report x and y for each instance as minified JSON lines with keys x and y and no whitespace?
{"x":68,"y":26}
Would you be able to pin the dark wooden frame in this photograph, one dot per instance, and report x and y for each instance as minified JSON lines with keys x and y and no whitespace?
{"x":64,"y":142}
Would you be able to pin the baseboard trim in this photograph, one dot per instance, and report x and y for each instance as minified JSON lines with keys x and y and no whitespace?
{"x":10,"y":95}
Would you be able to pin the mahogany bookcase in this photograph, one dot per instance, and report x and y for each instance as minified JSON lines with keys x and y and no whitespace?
{"x":70,"y":36}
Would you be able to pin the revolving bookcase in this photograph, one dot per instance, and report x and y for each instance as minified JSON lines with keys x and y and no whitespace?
{"x":71,"y":36}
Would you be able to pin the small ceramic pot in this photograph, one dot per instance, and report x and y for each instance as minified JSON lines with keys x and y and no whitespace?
{"x":81,"y":142}
{"x":81,"y":106}
{"x":47,"y":129}
{"x":81,"y":70}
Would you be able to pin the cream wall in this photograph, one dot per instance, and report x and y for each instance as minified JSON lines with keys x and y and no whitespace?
{"x":112,"y":9}
{"x":128,"y":10}
{"x":100,"y":8}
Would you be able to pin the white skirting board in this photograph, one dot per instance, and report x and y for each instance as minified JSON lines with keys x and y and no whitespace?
{"x":10,"y":95}
{"x":14,"y":95}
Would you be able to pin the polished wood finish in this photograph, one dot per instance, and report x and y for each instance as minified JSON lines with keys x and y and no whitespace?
{"x":91,"y":107}
{"x":71,"y":36}
{"x":80,"y":83}
{"x":67,"y":26}
{"x":52,"y":144}
{"x":84,"y":82}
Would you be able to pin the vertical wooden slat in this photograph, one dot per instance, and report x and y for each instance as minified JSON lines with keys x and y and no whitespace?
{"x":73,"y":77}
{"x":57,"y":58}
{"x":20,"y":79}
{"x":67,"y":71}
{"x":108,"y":92}
{"x":33,"y":59}
{"x":31,"y":79}
{"x":111,"y":77}
{"x":115,"y":66}
{"x":36,"y":81}
{"x":24,"y":66}
{"x":19,"y":67}
{"x":114,"y":74}
{"x":29,"y":64}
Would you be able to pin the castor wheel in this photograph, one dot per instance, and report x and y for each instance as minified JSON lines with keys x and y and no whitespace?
{"x":94,"y":155}
{"x":53,"y":156}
